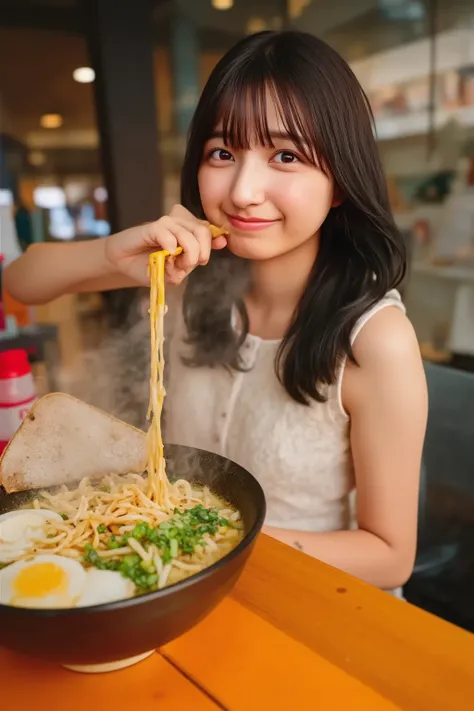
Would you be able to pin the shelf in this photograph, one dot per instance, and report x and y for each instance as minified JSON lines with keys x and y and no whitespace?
{"x":409,"y":62}
{"x":418,"y":123}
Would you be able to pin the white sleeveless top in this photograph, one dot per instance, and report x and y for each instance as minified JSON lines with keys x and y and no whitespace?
{"x":300,"y":455}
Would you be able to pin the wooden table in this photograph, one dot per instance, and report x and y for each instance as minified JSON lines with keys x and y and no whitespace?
{"x":295,"y":635}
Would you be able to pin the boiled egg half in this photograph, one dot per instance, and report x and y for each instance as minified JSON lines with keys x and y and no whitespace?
{"x":20,"y":529}
{"x":104,"y":586}
{"x":45,"y":581}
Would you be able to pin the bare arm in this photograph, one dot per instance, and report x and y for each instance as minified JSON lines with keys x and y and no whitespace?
{"x":48,"y":270}
{"x":387,"y":402}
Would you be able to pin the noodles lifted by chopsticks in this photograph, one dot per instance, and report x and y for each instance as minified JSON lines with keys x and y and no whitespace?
{"x":159,"y":488}
{"x":158,"y":484}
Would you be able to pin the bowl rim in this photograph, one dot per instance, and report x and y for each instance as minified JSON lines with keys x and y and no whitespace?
{"x":151,"y":597}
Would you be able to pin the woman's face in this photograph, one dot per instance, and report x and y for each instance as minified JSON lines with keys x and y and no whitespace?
{"x":272,"y":200}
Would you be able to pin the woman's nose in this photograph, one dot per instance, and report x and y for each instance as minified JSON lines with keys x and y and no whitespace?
{"x":248,"y":186}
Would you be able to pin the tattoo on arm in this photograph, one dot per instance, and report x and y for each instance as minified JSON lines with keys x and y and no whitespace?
{"x":298,"y":545}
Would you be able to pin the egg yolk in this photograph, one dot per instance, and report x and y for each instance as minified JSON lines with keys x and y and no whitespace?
{"x":40,"y":580}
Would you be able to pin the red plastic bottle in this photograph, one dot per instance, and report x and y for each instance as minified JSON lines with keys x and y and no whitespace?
{"x":2,"y":312}
{"x":17,"y":392}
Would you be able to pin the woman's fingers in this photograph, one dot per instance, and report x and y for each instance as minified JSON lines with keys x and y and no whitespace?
{"x":194,"y":238}
{"x":128,"y":251}
{"x":219,"y":242}
{"x":174,"y":275}
{"x":202,"y":235}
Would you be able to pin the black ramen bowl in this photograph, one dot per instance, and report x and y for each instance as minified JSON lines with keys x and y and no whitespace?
{"x":99,"y":635}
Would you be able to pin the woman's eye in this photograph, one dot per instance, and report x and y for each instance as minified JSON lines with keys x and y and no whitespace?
{"x":220,"y":154}
{"x":286,"y":157}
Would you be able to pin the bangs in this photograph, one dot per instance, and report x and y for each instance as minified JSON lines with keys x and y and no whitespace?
{"x":241,"y":114}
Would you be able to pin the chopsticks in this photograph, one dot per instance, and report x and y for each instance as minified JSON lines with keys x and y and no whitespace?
{"x":215,"y":232}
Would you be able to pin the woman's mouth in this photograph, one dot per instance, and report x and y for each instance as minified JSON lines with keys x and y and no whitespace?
{"x":249,"y":224}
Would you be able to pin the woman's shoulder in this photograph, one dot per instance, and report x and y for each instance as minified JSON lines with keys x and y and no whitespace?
{"x":387,"y":353}
{"x":389,"y":304}
{"x":386,"y":336}
{"x":381,"y":334}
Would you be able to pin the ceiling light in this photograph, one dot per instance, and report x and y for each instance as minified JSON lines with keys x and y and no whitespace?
{"x":222,"y":4}
{"x":84,"y":75}
{"x":51,"y":120}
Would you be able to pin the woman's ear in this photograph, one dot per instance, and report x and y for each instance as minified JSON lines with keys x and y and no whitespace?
{"x":338,"y":196}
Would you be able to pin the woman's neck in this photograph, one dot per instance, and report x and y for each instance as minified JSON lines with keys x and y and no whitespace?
{"x":276,"y":288}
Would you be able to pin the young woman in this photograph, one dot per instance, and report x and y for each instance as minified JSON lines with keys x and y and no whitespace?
{"x":291,"y":352}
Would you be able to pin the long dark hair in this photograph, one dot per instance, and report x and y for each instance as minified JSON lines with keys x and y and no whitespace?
{"x":361,"y":254}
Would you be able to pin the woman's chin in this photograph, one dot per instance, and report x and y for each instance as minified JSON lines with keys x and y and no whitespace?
{"x":248,"y":248}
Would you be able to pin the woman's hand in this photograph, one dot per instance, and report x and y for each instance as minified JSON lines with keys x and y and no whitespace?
{"x":128,"y":251}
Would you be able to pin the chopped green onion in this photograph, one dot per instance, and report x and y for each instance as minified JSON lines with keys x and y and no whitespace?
{"x":181,"y":534}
